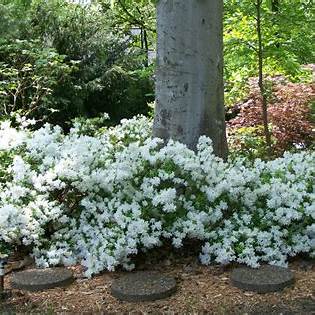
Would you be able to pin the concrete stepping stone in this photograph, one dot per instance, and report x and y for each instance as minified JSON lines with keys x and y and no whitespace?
{"x":263,"y":279}
{"x":41,"y":279}
{"x":143,"y":286}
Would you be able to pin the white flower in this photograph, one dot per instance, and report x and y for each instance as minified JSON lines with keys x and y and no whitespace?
{"x":105,"y":198}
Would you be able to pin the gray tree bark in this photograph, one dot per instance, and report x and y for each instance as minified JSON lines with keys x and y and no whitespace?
{"x":189,"y":77}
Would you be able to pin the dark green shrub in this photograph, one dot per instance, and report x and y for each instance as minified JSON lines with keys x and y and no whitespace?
{"x":110,"y":76}
{"x":109,"y":73}
{"x":29,"y":73}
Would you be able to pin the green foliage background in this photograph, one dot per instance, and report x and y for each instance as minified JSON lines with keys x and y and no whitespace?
{"x":104,"y":72}
{"x":105,"y":66}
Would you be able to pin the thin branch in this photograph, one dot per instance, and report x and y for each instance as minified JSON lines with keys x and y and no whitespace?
{"x":135,"y":20}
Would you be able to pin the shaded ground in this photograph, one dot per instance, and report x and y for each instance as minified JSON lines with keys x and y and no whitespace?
{"x":201,"y":290}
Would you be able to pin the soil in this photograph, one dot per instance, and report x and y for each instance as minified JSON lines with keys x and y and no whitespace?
{"x":201,"y":290}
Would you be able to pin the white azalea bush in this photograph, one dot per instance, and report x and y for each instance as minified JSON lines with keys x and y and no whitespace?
{"x":99,"y":198}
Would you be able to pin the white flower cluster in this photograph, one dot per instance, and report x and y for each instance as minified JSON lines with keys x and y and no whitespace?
{"x":101,"y":199}
{"x":10,"y":137}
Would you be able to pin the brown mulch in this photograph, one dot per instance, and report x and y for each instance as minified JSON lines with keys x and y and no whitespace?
{"x":201,"y":290}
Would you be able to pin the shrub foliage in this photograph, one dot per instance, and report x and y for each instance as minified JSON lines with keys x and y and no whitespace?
{"x":290,"y":117}
{"x":100,"y":199}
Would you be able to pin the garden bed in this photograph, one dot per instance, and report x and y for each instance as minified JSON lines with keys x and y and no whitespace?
{"x":201,"y":289}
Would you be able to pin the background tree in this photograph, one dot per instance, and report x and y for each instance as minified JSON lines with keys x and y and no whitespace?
{"x":109,"y":75}
{"x":288,"y":42}
{"x":130,"y":15}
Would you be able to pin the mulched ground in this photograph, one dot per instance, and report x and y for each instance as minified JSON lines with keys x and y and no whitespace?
{"x":201,"y":290}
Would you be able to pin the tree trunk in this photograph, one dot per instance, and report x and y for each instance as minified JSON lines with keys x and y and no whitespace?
{"x":189,"y":78}
{"x":145,"y":46}
{"x":261,"y":79}
{"x":275,"y":8}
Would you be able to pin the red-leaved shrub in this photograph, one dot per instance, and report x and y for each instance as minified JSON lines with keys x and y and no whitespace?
{"x":289,"y":114}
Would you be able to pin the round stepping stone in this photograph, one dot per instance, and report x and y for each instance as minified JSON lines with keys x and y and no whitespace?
{"x":143,"y":286}
{"x":41,"y":279}
{"x":263,"y":279}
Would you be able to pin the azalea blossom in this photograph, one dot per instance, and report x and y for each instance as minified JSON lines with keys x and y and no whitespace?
{"x":99,"y":200}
